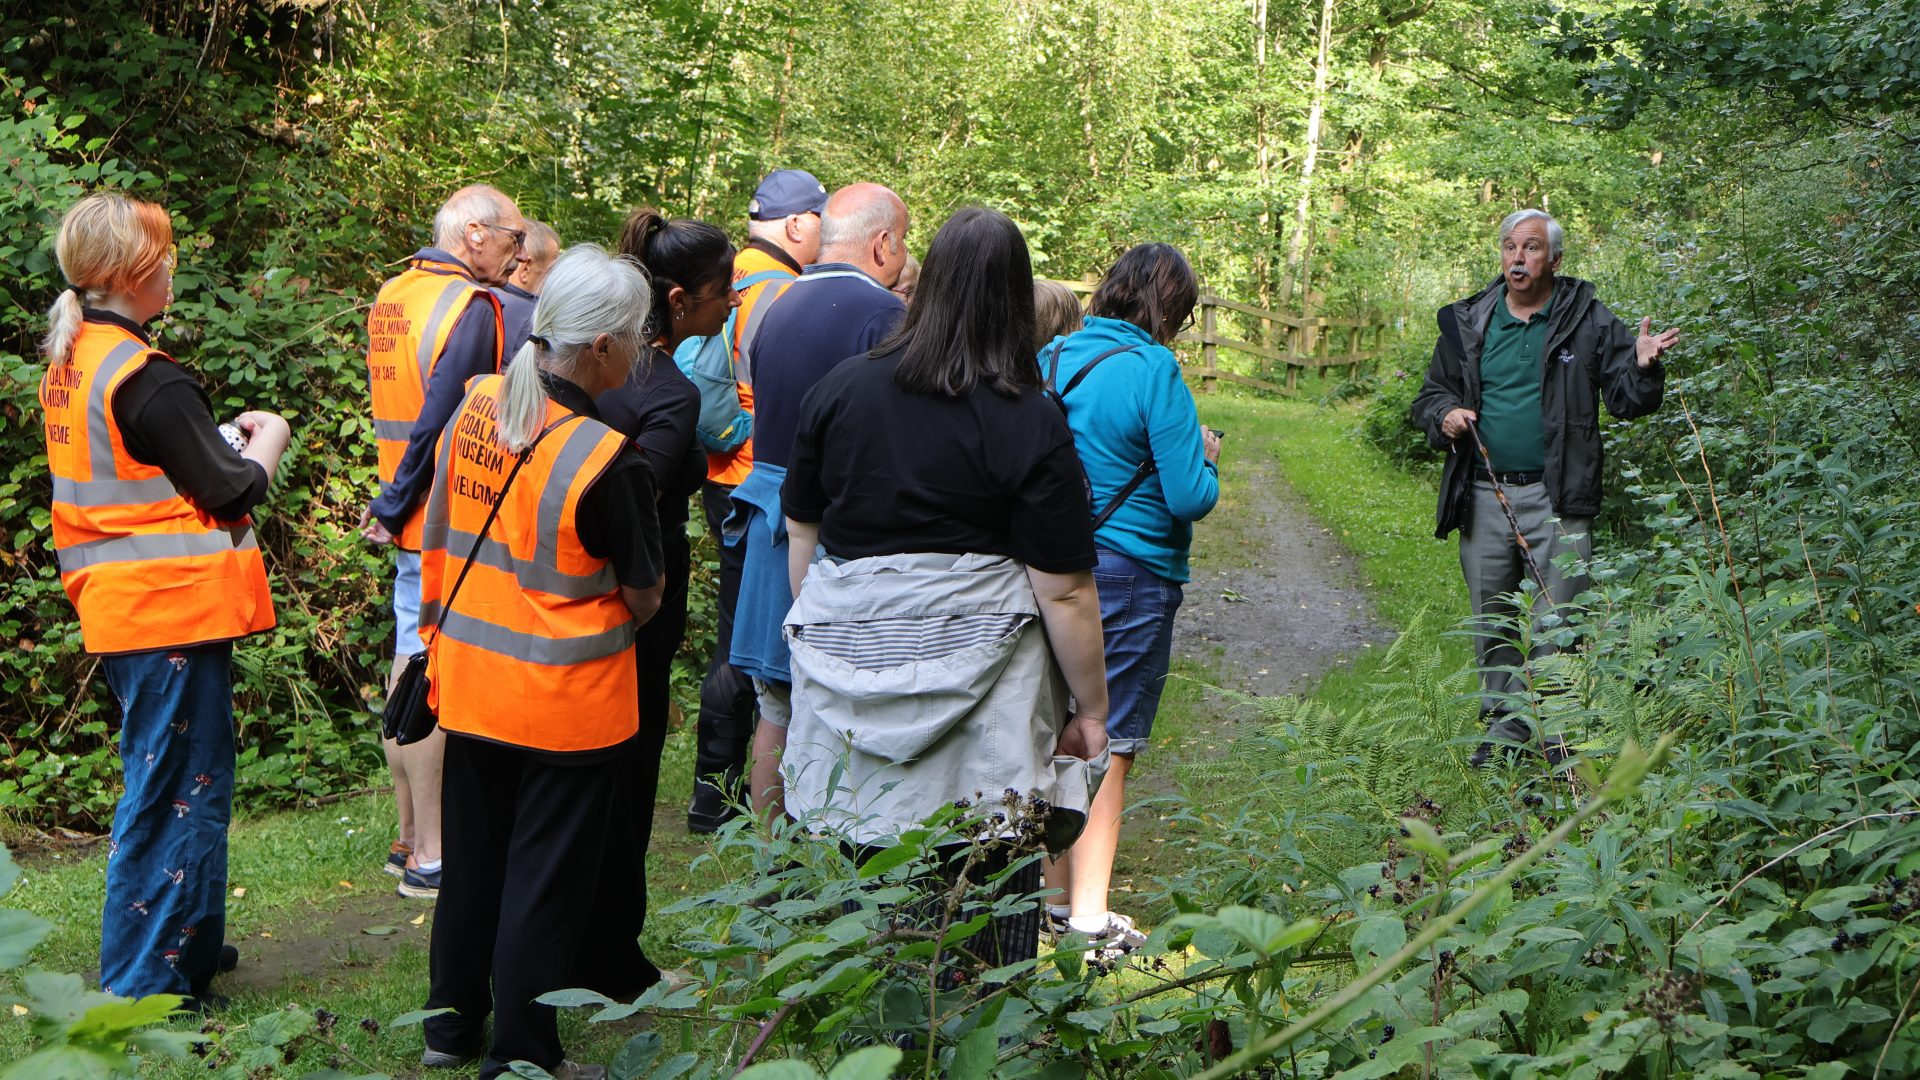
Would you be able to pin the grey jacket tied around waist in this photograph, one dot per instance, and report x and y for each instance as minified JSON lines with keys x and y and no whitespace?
{"x":919,"y":680}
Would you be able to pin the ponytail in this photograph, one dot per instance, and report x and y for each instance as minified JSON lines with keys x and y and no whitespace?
{"x":63,"y":325}
{"x":675,"y":251}
{"x":523,"y":402}
{"x":587,"y":293}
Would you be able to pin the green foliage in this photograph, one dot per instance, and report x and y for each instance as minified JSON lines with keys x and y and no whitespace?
{"x":78,"y":1033}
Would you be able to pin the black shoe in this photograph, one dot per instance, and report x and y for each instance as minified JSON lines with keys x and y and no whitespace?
{"x":1556,"y":751}
{"x":229,"y":958}
{"x":204,"y":1003}
{"x":709,"y":809}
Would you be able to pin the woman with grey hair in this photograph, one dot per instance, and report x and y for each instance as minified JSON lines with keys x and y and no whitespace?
{"x":541,"y":561}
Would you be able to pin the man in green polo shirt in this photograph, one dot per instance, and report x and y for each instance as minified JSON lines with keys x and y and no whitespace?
{"x":1521,"y":368}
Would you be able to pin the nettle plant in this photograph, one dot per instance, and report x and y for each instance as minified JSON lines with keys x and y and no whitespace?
{"x":814,"y":949}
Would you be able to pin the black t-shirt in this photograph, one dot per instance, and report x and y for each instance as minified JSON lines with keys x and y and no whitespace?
{"x":887,"y":472}
{"x":657,"y":409}
{"x":166,"y":421}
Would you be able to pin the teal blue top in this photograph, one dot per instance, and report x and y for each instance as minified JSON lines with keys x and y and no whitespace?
{"x":1510,"y":373}
{"x":1133,"y":405}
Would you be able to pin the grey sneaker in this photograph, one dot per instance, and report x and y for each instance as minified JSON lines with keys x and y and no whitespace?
{"x":441,"y":1059}
{"x":1055,"y":927}
{"x":573,"y":1070}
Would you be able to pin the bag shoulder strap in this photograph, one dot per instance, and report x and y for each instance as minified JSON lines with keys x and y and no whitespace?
{"x":1081,"y":375}
{"x":1147,"y":468}
{"x":492,"y":513}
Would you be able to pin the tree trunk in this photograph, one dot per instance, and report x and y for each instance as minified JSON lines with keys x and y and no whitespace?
{"x":1316,"y":115}
{"x":1263,"y":163}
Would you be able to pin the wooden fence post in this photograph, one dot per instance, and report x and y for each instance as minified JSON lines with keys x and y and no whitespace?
{"x":1209,"y":353}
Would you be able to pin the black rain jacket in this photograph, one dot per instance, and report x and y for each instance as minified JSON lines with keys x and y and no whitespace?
{"x":1589,"y":357}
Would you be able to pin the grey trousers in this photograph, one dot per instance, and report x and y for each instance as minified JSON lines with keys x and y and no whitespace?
{"x":1494,"y":566}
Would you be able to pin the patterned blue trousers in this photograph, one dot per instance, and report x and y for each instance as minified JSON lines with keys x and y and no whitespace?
{"x":165,"y":915}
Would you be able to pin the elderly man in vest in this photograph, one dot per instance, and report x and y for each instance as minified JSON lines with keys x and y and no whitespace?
{"x":521,"y":290}
{"x":432,"y":328}
{"x":1512,"y":394}
{"x":783,"y":237}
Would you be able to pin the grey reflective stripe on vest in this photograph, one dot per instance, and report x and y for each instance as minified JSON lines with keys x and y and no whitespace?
{"x":106,"y":488}
{"x":531,"y":648}
{"x":751,"y":331}
{"x":553,"y":498}
{"x":146,"y":546}
{"x":393,"y":430}
{"x":454,"y":291}
{"x":531,"y":573}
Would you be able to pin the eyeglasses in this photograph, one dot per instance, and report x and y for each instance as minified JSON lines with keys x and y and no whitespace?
{"x":519,"y":235}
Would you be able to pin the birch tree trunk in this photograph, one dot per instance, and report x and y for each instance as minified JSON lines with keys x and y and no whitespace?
{"x":1316,"y":115}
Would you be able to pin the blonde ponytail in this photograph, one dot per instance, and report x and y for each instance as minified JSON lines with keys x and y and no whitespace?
{"x":587,"y":293}
{"x":63,"y":325}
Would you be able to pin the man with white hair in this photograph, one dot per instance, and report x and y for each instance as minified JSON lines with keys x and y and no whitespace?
{"x":840,"y":307}
{"x":521,"y":290}
{"x":432,"y":328}
{"x":1512,"y":394}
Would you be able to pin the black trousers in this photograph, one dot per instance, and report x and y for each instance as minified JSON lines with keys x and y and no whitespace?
{"x":611,"y":959}
{"x":726,"y":697}
{"x":525,"y":838}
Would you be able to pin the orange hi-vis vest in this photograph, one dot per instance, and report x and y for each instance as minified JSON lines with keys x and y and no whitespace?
{"x":538,"y":648}
{"x":145,"y":568}
{"x":412,"y":319}
{"x":732,"y":466}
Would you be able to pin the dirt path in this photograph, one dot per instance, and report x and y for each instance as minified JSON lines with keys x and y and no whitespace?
{"x":1275,"y":601}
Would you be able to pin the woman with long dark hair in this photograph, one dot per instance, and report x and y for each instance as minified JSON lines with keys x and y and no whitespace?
{"x":1154,"y":472}
{"x":929,"y":644}
{"x":691,"y":266}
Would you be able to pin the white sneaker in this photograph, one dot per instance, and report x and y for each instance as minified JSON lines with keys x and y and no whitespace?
{"x":1114,"y":940}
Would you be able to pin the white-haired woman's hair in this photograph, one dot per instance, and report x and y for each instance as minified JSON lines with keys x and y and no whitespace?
{"x":475,"y":202}
{"x":1556,"y":239}
{"x":588,"y":293}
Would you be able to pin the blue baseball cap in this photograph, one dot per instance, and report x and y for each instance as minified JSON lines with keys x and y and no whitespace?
{"x":788,"y":191}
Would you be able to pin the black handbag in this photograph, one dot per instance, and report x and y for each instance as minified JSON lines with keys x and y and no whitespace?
{"x":407,"y":717}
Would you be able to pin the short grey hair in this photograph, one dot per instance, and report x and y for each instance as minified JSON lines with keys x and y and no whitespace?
{"x":475,"y":202}
{"x":543,"y":244}
{"x":858,"y":228}
{"x":1556,"y":237}
{"x":771,"y":231}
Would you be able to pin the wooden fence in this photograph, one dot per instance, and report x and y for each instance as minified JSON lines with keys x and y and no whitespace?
{"x":1289,"y":344}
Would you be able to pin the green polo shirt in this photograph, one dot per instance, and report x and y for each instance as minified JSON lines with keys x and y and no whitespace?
{"x":1510,"y":374}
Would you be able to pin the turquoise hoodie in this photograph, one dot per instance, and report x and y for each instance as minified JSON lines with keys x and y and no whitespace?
{"x":1135,"y":404}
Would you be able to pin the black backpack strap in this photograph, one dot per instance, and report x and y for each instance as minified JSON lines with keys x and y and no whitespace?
{"x":492,"y":513}
{"x":1081,"y":375}
{"x":1147,"y":468}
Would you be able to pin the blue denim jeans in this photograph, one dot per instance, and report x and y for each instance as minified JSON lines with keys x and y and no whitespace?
{"x":165,"y":914}
{"x":1136,"y":618}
